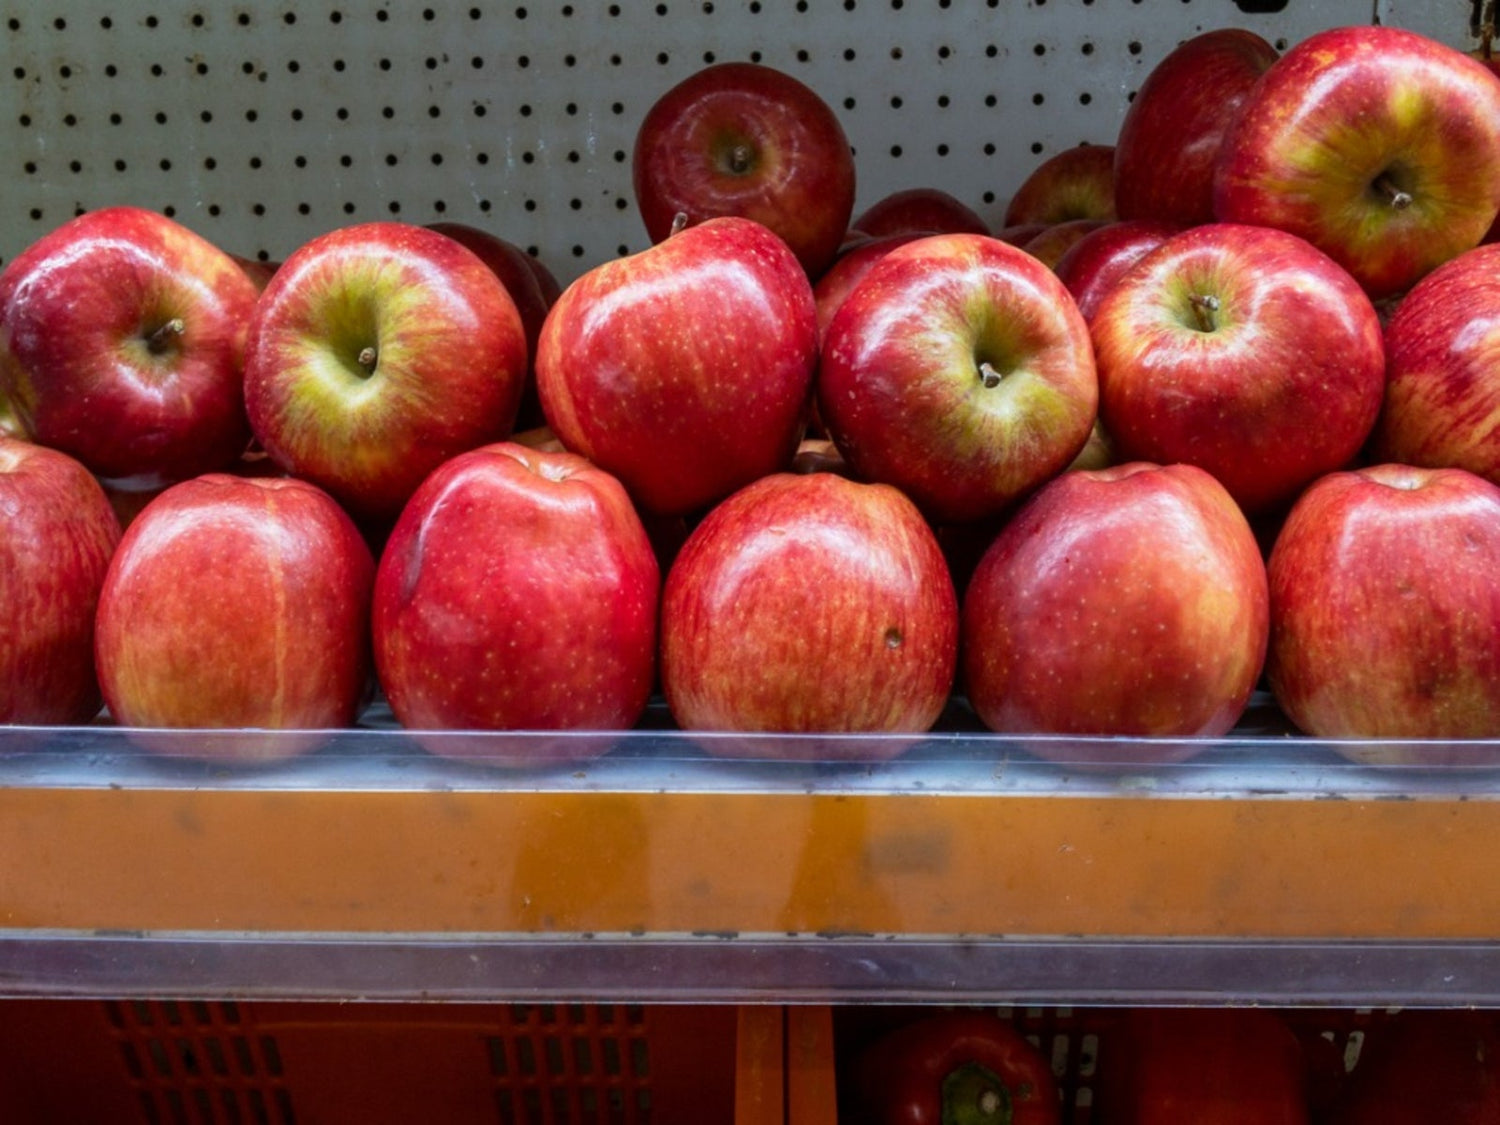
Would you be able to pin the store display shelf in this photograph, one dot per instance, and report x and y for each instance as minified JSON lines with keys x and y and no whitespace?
{"x":671,"y":865}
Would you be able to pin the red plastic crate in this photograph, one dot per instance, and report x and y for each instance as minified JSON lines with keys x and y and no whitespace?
{"x":261,"y":1063}
{"x":1073,"y":1039}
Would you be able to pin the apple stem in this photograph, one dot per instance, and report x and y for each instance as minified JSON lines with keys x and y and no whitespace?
{"x":1398,"y":199}
{"x":168,"y":331}
{"x":740,"y":159}
{"x":367,"y":358}
{"x":988,"y":375}
{"x":679,"y":223}
{"x":1204,"y":307}
{"x":989,"y":1103}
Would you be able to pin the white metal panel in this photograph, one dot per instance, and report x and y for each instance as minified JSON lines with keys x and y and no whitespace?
{"x":261,"y":124}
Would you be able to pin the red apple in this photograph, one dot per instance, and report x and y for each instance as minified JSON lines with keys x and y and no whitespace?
{"x":518,"y":590}
{"x":1242,"y":350}
{"x":377,"y":352}
{"x":1169,"y":140}
{"x":513,"y":266}
{"x":1076,"y":183}
{"x":1442,"y":397}
{"x":1378,"y":145}
{"x":1385,"y":612}
{"x":545,"y":279}
{"x":686,"y":369}
{"x":122,"y":341}
{"x":1019,"y":234}
{"x":1128,"y":601}
{"x":959,"y":371}
{"x":1093,"y":264}
{"x":60,"y":533}
{"x":839,"y":280}
{"x":918,"y":211}
{"x":520,"y":273}
{"x":809,"y":603}
{"x":237,"y":602}
{"x":259,"y":272}
{"x":1051,"y":243}
{"x":741,"y":139}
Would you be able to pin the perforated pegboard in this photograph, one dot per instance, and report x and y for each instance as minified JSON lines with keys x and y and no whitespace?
{"x":261,"y":124}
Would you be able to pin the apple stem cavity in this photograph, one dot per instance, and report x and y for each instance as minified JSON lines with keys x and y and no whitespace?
{"x":741,"y":158}
{"x":1386,"y":188}
{"x":165,"y":335}
{"x":1205,"y":308}
{"x":988,"y":375}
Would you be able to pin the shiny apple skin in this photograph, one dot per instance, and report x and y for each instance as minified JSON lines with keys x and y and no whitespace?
{"x":1076,"y":183}
{"x":525,"y":280}
{"x":1127,"y":601}
{"x":79,"y":309}
{"x":839,"y":280}
{"x":800,"y":175}
{"x":448,"y":375}
{"x":1169,"y":139}
{"x":686,"y":369}
{"x":1340,"y":110}
{"x":901,"y":389}
{"x":809,"y":603}
{"x":1091,"y":266}
{"x":1385,"y":611}
{"x":60,"y":533}
{"x":1442,"y":398}
{"x":237,"y":602}
{"x":518,"y":591}
{"x":1284,"y":388}
{"x":918,"y":211}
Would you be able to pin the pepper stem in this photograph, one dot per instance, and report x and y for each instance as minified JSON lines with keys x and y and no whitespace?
{"x":975,"y":1095}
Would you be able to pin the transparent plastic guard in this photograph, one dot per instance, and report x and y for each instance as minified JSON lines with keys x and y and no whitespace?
{"x":1262,"y":756}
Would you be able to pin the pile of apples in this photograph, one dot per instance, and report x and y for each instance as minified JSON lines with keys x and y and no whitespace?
{"x":1218,"y":401}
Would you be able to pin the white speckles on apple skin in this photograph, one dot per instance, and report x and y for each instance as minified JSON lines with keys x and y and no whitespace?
{"x":686,"y":370}
{"x":778,"y":613}
{"x":236,"y":602}
{"x":1130,"y":601}
{"x":518,"y":591}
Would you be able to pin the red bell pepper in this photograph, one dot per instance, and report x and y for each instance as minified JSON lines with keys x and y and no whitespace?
{"x":1201,"y":1066}
{"x":957,"y":1068}
{"x":1425,"y":1066}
